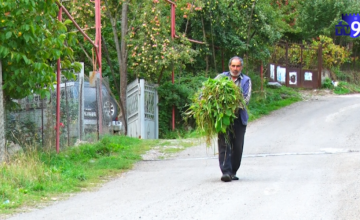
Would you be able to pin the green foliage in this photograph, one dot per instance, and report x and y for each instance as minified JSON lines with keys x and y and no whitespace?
{"x":341,"y":75}
{"x":170,"y":95}
{"x":288,"y":13}
{"x":150,"y":46}
{"x":272,"y":98}
{"x":327,"y":84}
{"x":316,"y":17}
{"x":31,"y":41}
{"x":227,"y":28}
{"x":178,"y":95}
{"x":22,"y":132}
{"x":346,"y":88}
{"x":332,"y":55}
{"x":215,"y":106}
{"x":237,"y":27}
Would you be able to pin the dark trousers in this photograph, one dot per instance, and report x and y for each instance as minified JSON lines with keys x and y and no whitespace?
{"x":231,"y":148}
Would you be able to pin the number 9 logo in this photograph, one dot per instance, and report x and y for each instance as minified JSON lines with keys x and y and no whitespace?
{"x":357,"y":29}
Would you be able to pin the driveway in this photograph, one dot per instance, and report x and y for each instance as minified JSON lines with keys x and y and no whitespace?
{"x":300,"y":162}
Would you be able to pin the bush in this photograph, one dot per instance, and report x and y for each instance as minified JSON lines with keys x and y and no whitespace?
{"x":342,"y":76}
{"x":327,"y":84}
{"x":178,"y":95}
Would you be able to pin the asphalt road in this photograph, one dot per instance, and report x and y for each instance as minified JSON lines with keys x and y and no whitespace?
{"x":300,"y":162}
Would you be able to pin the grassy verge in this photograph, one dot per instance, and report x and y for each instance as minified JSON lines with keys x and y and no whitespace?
{"x":342,"y":87}
{"x":33,"y":177}
{"x":264,"y":102}
{"x":346,"y":88}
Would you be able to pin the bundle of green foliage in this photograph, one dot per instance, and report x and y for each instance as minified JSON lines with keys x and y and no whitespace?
{"x":215,"y":106}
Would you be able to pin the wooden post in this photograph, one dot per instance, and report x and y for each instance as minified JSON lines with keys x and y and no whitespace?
{"x":262,"y":76}
{"x":287,"y":65}
{"x":319,"y":65}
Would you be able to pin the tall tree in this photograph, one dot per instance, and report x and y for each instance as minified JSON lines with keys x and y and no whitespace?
{"x":124,"y":61}
{"x":234,"y":27}
{"x":316,"y":17}
{"x":138,"y":35}
{"x":151,"y":48}
{"x":31,"y":40}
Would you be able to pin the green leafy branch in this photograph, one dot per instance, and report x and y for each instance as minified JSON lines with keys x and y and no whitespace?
{"x":215,"y":106}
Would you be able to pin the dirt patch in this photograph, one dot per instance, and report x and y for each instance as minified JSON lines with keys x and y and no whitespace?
{"x":311,"y":94}
{"x":169,"y":149}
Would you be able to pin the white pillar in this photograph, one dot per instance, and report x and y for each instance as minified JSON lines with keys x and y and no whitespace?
{"x":142,"y":109}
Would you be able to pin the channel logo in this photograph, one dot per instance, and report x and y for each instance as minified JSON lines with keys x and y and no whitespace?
{"x":352,"y":28}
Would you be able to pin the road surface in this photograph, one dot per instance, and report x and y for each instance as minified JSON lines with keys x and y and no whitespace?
{"x":300,"y":162}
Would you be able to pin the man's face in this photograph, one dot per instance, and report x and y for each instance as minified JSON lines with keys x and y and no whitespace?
{"x":235,"y":66}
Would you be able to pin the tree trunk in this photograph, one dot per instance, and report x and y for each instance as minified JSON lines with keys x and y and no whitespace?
{"x":113,"y":74}
{"x":122,"y":58}
{"x":107,"y":56}
{"x":2,"y":118}
{"x":248,"y":32}
{"x":123,"y":65}
{"x":187,"y":20}
{"x":212,"y":42}
{"x":206,"y":56}
{"x":87,"y":55}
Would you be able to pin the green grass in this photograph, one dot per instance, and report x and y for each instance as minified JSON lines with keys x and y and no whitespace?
{"x":343,"y":87}
{"x":35,"y":177}
{"x":346,"y":88}
{"x":271,"y":99}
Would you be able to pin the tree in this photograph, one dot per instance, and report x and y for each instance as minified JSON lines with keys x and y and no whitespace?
{"x":138,"y":35}
{"x":317,"y":17}
{"x":31,"y":40}
{"x":246,"y":28}
{"x":151,"y":49}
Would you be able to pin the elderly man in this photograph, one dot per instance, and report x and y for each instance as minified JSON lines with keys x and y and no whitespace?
{"x":231,"y":148}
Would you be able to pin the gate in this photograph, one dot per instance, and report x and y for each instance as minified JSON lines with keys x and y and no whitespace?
{"x":296,"y":65}
{"x":142,"y":110}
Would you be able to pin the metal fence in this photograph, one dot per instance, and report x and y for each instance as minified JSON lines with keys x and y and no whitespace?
{"x":142,"y":110}
{"x":350,"y":71}
{"x":85,"y":113}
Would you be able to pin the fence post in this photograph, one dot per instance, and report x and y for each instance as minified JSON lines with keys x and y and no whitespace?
{"x":275,"y":64}
{"x":262,"y":76}
{"x":142,"y":109}
{"x":81,"y":103}
{"x":301,"y":63}
{"x":287,"y":64}
{"x":319,"y":65}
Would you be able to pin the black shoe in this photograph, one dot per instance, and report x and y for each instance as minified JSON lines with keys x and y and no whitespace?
{"x":233,"y":177}
{"x":226,"y":178}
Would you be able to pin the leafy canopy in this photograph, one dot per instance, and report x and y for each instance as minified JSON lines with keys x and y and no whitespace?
{"x":31,"y":41}
{"x":149,"y":42}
